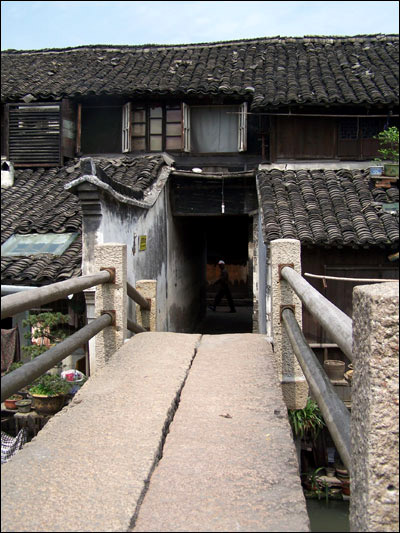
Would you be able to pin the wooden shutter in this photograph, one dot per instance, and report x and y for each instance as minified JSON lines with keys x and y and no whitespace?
{"x":126,"y":127}
{"x":186,"y":127}
{"x":34,"y":134}
{"x":242,"y":129}
{"x":68,"y":130}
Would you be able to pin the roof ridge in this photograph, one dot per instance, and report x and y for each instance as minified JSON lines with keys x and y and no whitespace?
{"x":273,"y":39}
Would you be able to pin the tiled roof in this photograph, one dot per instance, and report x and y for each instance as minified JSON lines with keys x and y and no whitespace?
{"x":39,"y":203}
{"x":326,"y":207}
{"x":267,"y":71}
{"x":130,"y":176}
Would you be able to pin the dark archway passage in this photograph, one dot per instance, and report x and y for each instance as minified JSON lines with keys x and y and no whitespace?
{"x":218,"y":210}
{"x":228,"y":238}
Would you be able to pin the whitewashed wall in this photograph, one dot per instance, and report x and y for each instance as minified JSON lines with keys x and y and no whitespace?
{"x":174,"y":255}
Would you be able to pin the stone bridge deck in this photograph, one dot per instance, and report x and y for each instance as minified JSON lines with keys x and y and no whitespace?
{"x":177,"y":433}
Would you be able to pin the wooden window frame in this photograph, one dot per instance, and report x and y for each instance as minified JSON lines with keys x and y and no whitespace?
{"x":147,"y":123}
{"x":241,"y":131}
{"x":359,"y":146}
{"x":126,"y":128}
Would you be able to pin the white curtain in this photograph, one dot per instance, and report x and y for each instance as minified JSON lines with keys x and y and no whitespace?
{"x":214,"y":129}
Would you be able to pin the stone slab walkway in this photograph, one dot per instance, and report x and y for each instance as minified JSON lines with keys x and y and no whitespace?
{"x":87,"y":468}
{"x":229,"y":461}
{"x":177,"y":433}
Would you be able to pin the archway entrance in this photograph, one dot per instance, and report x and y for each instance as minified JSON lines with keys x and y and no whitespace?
{"x":230,"y":239}
{"x":218,"y":210}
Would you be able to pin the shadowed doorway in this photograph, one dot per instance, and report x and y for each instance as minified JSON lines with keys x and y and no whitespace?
{"x":228,"y":238}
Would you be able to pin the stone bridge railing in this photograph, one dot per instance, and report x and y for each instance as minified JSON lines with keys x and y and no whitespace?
{"x":109,"y":327}
{"x":114,"y":297}
{"x":368,"y":440}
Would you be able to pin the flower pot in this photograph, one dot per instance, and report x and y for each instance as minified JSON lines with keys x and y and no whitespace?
{"x":349,"y":375}
{"x":346,"y":488}
{"x":10,"y":403}
{"x":330,"y":471}
{"x":76,"y":378}
{"x":391,"y":169}
{"x":376,"y":170}
{"x":24,"y":406}
{"x":334,"y":369}
{"x":48,"y":405}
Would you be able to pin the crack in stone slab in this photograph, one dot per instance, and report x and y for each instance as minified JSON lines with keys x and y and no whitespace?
{"x":159,"y":453}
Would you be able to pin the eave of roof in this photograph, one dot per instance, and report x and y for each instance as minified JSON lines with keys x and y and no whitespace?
{"x":40,"y":202}
{"x":37,"y":203}
{"x":265,"y":71}
{"x":326,"y":208}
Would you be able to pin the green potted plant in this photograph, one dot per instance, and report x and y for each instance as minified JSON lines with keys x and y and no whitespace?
{"x":10,"y":403}
{"x":307,"y":422}
{"x":389,"y":150}
{"x":49,"y":393}
{"x":24,"y":406}
{"x":46,"y":329}
{"x":315,"y":484}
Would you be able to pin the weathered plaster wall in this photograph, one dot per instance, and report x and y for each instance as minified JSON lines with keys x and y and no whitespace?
{"x":174,"y":255}
{"x":186,"y":273}
{"x":125,"y":224}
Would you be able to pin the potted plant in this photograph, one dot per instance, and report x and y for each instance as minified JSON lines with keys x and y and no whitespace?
{"x":10,"y":403}
{"x":24,"y":406}
{"x":311,"y":479}
{"x":46,"y":330}
{"x":389,"y":150}
{"x":49,"y":393}
{"x":306,"y":422}
{"x":315,"y":485}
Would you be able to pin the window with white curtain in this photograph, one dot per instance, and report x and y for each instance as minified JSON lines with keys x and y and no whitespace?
{"x":215,"y":129}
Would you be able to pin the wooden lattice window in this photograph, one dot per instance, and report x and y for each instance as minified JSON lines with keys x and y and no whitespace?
{"x":156,"y":128}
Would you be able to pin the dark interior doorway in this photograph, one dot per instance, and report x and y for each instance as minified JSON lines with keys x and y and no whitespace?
{"x":228,"y":238}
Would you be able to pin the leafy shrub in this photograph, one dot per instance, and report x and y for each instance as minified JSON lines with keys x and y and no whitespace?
{"x":389,"y":143}
{"x":47,"y":325}
{"x":50,"y":385}
{"x":306,"y":422}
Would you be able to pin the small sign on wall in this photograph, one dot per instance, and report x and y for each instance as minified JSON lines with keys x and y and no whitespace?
{"x":142,"y":243}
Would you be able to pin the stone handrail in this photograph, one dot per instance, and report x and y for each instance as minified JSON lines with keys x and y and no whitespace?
{"x":331,"y":318}
{"x":22,"y":301}
{"x":371,"y":340}
{"x":111,"y":312}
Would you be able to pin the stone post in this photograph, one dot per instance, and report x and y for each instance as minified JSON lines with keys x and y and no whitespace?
{"x":111,"y":297}
{"x":294,"y":384}
{"x":374,"y":484}
{"x":147,"y":319}
{"x":90,"y":316}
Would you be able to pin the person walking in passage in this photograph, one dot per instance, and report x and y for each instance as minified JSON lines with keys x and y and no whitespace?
{"x":224,"y":290}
